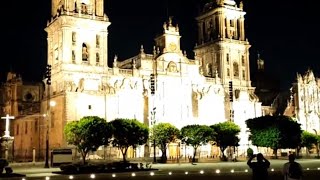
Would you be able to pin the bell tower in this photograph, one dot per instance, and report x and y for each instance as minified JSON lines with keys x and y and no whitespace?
{"x":222,"y":46}
{"x":169,"y":41}
{"x":84,"y":6}
{"x":77,"y":37}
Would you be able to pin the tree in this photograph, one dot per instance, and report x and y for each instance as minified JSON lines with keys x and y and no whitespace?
{"x":88,"y":134}
{"x":226,"y":134}
{"x":163,"y":134}
{"x":307,"y":140}
{"x":275,"y":132}
{"x":195,"y":136}
{"x":128,"y":132}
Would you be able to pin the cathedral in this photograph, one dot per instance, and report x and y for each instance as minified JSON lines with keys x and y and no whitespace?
{"x":304,"y":102}
{"x":213,"y":87}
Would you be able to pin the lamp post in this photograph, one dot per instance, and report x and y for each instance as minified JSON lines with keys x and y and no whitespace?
{"x":48,"y":76}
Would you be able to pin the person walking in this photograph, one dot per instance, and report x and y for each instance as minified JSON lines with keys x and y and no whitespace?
{"x":259,"y":168}
{"x":292,"y":170}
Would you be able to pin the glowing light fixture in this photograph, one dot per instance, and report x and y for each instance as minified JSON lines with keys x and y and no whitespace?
{"x":92,"y":176}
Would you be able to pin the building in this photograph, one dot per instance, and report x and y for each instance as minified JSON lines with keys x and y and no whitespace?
{"x":22,"y":100}
{"x":304,"y":102}
{"x":213,"y":87}
{"x":267,"y":88}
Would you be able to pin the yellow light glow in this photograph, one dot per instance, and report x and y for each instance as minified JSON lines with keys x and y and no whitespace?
{"x":92,"y":176}
{"x":52,"y":103}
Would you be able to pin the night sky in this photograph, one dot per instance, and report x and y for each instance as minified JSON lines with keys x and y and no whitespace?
{"x":285,"y":33}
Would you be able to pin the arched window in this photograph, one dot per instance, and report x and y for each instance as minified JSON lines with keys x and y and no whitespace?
{"x":172,"y":67}
{"x":73,"y":56}
{"x":97,"y":58}
{"x":97,"y":41}
{"x":235,"y":69}
{"x":74,"y":38}
{"x":85,"y":52}
{"x":209,"y":69}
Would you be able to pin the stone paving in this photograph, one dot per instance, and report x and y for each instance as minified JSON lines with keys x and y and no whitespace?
{"x":37,"y":169}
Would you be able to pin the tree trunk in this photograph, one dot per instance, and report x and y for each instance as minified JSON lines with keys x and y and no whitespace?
{"x":298,"y":151}
{"x":84,"y":154}
{"x":124,"y":153}
{"x":275,"y":153}
{"x":194,"y":154}
{"x":164,"y":154}
{"x":224,"y":158}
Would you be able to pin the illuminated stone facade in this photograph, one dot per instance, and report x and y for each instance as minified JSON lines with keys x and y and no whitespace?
{"x":304,"y":104}
{"x":223,"y":51}
{"x":188,"y":91}
{"x":22,"y":100}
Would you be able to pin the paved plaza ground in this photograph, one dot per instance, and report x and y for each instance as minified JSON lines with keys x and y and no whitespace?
{"x":226,"y":168}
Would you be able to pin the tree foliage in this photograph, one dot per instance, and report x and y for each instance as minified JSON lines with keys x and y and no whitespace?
{"x":195,"y":136}
{"x":163,"y":134}
{"x":128,"y":132}
{"x":308,"y":139}
{"x":275,"y":132}
{"x":226,"y":134}
{"x":88,"y":134}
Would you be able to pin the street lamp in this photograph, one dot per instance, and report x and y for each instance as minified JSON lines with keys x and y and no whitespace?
{"x":48,"y":76}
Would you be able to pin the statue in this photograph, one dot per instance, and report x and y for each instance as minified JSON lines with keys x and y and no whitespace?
{"x":115,"y":64}
{"x":241,"y":5}
{"x":85,"y":53}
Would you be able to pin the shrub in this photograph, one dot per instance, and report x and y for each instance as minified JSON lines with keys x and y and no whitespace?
{"x":249,"y":152}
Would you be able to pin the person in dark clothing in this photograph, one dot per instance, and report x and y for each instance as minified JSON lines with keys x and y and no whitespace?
{"x":259,"y":168}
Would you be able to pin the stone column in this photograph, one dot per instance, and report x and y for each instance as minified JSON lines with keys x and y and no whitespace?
{"x":241,"y":26}
{"x":222,"y":31}
{"x":227,"y":25}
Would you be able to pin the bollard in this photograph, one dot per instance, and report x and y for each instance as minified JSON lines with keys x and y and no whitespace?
{"x":34,"y":155}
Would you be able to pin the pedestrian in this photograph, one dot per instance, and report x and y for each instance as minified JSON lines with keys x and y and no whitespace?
{"x":259,"y":168}
{"x":292,"y":170}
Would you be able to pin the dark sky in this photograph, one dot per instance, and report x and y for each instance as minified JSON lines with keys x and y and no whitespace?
{"x":284,"y":32}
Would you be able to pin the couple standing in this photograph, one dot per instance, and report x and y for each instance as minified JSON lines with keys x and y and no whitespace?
{"x":291,"y":170}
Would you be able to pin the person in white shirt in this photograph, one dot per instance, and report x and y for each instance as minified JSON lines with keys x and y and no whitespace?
{"x":292,"y":170}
